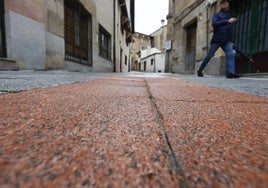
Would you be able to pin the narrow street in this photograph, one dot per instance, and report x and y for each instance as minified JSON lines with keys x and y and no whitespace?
{"x":132,"y":130}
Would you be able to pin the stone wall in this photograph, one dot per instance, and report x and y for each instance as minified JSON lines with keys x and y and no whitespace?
{"x":183,"y":14}
{"x":25,"y":33}
{"x":35,"y":35}
{"x":55,"y":34}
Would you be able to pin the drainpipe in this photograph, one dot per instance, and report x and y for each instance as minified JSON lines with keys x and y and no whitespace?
{"x":3,"y":53}
{"x":114,"y":47}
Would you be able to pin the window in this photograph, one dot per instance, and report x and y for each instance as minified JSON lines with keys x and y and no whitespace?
{"x":77,"y":33}
{"x":152,"y":61}
{"x":104,"y":43}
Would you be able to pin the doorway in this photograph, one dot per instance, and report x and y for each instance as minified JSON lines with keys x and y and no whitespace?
{"x":144,"y":66}
{"x":190,"y":47}
{"x":121,"y":66}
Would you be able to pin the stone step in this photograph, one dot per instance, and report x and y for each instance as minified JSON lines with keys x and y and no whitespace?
{"x":8,"y":64}
{"x":256,"y":75}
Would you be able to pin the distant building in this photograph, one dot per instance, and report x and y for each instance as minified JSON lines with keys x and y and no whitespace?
{"x":72,"y":35}
{"x":190,"y":31}
{"x":152,"y":60}
{"x":149,"y":51}
{"x":140,"y":42}
{"x":159,"y":38}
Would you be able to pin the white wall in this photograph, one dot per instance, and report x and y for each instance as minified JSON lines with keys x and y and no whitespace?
{"x":158,"y":64}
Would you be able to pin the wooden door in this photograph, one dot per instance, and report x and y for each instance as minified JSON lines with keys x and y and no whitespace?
{"x":190,"y":47}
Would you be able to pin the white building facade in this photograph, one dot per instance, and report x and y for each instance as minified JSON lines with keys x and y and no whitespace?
{"x":152,"y":60}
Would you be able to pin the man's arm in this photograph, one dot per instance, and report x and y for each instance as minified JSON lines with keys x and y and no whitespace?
{"x":217,"y":22}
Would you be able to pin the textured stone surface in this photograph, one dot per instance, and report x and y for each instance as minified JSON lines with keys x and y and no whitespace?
{"x":219,"y":137}
{"x":106,"y":133}
{"x":101,"y":134}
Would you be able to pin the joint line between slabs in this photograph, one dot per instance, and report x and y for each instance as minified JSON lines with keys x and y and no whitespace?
{"x":171,"y":155}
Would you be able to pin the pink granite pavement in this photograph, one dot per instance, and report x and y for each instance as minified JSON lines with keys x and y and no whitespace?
{"x":126,"y":131}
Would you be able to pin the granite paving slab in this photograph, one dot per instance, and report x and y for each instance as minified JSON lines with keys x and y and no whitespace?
{"x":219,"y":137}
{"x":100,"y":133}
{"x":132,"y":130}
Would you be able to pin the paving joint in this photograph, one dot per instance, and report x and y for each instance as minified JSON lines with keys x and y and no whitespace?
{"x":7,"y":91}
{"x":217,"y":102}
{"x":171,"y":156}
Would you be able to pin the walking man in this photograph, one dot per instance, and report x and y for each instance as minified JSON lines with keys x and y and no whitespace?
{"x":222,"y":37}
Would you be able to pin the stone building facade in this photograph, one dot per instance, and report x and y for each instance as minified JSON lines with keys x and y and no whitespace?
{"x":147,"y":44}
{"x":74,"y":35}
{"x":140,"y":42}
{"x":190,"y":30}
{"x":159,"y":38}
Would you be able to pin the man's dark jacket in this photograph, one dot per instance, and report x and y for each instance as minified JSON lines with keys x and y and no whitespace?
{"x":222,"y":28}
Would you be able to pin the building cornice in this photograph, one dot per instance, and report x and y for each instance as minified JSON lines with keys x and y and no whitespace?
{"x":153,"y":54}
{"x":125,"y":21}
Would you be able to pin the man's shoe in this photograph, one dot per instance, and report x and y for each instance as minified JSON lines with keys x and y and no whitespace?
{"x":231,"y":75}
{"x":200,"y":74}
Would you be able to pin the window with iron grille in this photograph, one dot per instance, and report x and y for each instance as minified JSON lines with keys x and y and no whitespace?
{"x":104,"y":43}
{"x":78,"y":33}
